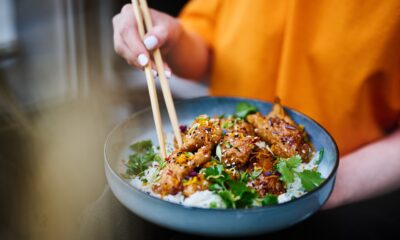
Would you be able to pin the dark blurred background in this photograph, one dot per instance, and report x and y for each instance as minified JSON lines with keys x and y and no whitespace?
{"x":62,"y":88}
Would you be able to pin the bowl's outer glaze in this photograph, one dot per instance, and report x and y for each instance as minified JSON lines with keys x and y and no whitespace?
{"x":214,"y":222}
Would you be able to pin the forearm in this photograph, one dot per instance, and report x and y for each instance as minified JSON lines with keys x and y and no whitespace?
{"x":368,"y":172}
{"x":189,"y":57}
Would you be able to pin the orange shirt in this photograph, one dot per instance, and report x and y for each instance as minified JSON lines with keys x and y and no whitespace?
{"x":336,"y":61}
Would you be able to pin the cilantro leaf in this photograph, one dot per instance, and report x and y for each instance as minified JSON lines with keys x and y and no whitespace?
{"x":214,"y":171}
{"x":243,"y":109}
{"x":237,"y":188}
{"x":246,"y":200}
{"x":235,"y":193}
{"x":310,"y":179}
{"x":215,"y":187}
{"x":269,"y":200}
{"x":228,"y":198}
{"x":287,"y":175}
{"x":286,"y":168}
{"x":293,"y":162}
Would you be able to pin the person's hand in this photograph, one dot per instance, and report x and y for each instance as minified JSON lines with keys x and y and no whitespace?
{"x":128,"y":44}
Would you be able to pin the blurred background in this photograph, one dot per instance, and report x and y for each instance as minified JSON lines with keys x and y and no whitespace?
{"x":62,"y":89}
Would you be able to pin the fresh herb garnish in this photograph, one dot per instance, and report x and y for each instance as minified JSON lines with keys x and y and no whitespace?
{"x":269,"y":200}
{"x":310,"y":179}
{"x":287,"y":168}
{"x":235,"y":193}
{"x":319,"y":156}
{"x":141,"y":158}
{"x":227,"y":124}
{"x":244,"y":177}
{"x":243,"y":109}
{"x":213,"y":205}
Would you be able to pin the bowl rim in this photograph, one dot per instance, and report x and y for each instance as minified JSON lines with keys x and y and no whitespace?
{"x":252,"y":209}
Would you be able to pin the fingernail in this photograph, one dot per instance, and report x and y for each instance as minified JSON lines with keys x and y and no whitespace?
{"x":143,"y":60}
{"x":150,"y":42}
{"x":167,"y":73}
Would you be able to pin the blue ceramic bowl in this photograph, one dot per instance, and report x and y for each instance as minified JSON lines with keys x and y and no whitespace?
{"x":214,"y":222}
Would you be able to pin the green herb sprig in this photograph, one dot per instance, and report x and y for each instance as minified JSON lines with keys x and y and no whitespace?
{"x":310,"y":179}
{"x":142,"y":156}
{"x":243,"y":109}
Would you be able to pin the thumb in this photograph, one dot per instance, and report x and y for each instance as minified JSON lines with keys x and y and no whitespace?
{"x":156,"y":37}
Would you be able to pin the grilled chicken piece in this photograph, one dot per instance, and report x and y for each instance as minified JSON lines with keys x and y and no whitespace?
{"x":237,"y":143}
{"x":279,"y":130}
{"x":179,"y":166}
{"x":231,"y":125}
{"x":261,"y":159}
{"x":194,"y":184}
{"x":236,"y":149}
{"x":266,"y":182}
{"x":203,"y":131}
{"x":278,"y":112}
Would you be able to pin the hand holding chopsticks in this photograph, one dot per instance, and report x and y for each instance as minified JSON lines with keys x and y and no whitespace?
{"x":140,"y":9}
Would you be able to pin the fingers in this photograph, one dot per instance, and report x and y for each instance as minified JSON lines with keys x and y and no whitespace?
{"x":162,"y":33}
{"x":156,"y":37}
{"x":127,"y":42}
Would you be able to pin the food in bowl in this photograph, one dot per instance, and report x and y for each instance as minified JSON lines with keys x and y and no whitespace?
{"x":238,"y":161}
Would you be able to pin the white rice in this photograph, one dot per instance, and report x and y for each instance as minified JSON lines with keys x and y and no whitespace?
{"x":204,"y":199}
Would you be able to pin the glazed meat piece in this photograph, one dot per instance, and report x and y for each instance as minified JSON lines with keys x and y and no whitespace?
{"x":285,"y":137}
{"x":203,"y":131}
{"x":261,"y":159}
{"x":194,"y":184}
{"x":237,"y":125}
{"x":236,"y":149}
{"x":266,"y":182}
{"x":267,"y":185}
{"x":237,"y":143}
{"x":179,"y":165}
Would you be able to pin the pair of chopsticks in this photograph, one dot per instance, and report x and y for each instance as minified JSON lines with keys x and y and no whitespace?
{"x":142,"y":14}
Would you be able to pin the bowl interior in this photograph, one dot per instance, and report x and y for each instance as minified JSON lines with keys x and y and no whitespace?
{"x":140,"y":126}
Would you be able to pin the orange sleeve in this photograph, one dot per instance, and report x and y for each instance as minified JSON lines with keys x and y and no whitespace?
{"x":199,"y":16}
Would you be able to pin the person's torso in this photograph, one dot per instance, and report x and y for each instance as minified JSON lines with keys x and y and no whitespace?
{"x":336,"y":61}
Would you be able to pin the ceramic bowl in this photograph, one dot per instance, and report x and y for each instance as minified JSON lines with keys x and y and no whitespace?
{"x":214,"y":222}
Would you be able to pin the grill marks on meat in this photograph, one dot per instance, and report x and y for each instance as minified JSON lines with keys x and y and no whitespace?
{"x":285,"y":137}
{"x":201,"y":138}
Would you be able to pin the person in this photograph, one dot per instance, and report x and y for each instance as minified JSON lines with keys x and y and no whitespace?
{"x":336,"y":61}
